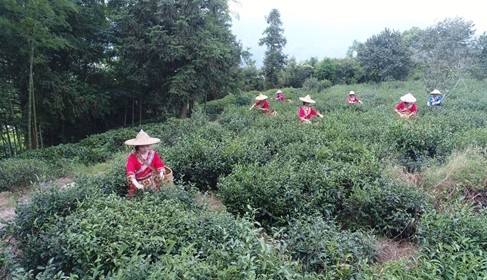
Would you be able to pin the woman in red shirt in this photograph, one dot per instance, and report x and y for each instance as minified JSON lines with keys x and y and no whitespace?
{"x":407,"y":107}
{"x":279,"y":96}
{"x":352,"y":98}
{"x":306,"y":112}
{"x":263,"y":104}
{"x":145,"y":169}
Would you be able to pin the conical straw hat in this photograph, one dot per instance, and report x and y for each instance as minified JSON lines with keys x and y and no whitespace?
{"x":261,"y":97}
{"x":142,"y":139}
{"x":307,"y":99}
{"x":408,"y":98}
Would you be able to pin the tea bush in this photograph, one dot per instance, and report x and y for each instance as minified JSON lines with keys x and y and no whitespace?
{"x":16,"y":173}
{"x":321,"y":247}
{"x":33,"y":218}
{"x":393,"y":209}
{"x":110,"y":236}
{"x":112,"y":180}
{"x":460,"y":224}
{"x":282,"y":189}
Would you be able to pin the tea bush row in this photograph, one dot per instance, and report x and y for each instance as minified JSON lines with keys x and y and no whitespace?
{"x":156,"y":236}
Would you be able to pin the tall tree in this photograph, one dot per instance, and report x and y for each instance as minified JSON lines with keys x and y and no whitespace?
{"x":34,"y":24}
{"x":479,"y":70}
{"x":444,"y":52}
{"x":275,"y":59}
{"x":385,"y":57}
{"x":175,"y":53}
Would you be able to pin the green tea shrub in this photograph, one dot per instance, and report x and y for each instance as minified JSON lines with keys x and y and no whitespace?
{"x":280,"y":190}
{"x":459,"y":224}
{"x":93,"y":149}
{"x":392,"y":209}
{"x":17,"y":173}
{"x":158,"y":236}
{"x":416,"y":143}
{"x":322,"y":247}
{"x":33,"y":218}
{"x":112,"y":180}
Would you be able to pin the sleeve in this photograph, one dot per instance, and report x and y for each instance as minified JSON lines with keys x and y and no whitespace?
{"x":400,"y":106}
{"x":301,"y":112}
{"x":414,"y":109}
{"x":130,"y":168}
{"x":157,"y":162}
{"x":314,"y":112}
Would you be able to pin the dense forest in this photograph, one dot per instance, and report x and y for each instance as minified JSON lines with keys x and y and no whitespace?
{"x":69,"y":69}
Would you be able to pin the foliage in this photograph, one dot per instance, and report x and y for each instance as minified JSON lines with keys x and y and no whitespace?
{"x":274,"y":40}
{"x":385,"y":57}
{"x":444,"y":52}
{"x":175,"y":54}
{"x":339,"y":71}
{"x":17,"y":173}
{"x":479,"y":70}
{"x":321,"y":247}
{"x":35,"y":216}
{"x":157,"y":236}
{"x":295,"y":74}
{"x":393,"y":209}
{"x":315,"y":85}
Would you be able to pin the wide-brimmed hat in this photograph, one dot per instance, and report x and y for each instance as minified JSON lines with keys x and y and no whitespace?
{"x":409,"y":98}
{"x":307,"y":99}
{"x":351,"y":92}
{"x":142,"y":139}
{"x":261,"y":97}
{"x":435,"y":91}
{"x":279,"y":91}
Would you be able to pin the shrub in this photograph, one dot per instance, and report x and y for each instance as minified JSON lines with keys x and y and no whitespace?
{"x":393,"y":209}
{"x":321,"y":247}
{"x":280,"y":190}
{"x":157,"y":236}
{"x":33,"y":218}
{"x":16,"y":173}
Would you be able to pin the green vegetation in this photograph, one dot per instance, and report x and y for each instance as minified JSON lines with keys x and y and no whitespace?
{"x":300,"y":201}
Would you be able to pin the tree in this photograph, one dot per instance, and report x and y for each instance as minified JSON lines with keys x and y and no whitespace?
{"x":33,"y":26}
{"x":274,"y":60}
{"x":479,"y":70}
{"x":385,"y":57}
{"x":295,"y":73}
{"x":173,"y":54}
{"x":444,"y":52}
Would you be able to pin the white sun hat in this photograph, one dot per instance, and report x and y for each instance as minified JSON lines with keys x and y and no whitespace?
{"x":351,"y":92}
{"x":307,"y":99}
{"x":261,"y":97}
{"x":435,"y":91}
{"x":142,"y":139}
{"x":408,"y":98}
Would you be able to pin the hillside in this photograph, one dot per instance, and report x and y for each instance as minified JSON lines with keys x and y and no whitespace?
{"x":359,"y":194}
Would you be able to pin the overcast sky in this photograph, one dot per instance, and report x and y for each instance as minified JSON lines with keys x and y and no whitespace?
{"x":320,"y":28}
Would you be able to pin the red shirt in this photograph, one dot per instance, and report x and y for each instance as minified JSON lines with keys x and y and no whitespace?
{"x":139,"y":169}
{"x":263,"y":104}
{"x":401,"y":107}
{"x":353,"y":99}
{"x":280,"y":97}
{"x":307,"y":112}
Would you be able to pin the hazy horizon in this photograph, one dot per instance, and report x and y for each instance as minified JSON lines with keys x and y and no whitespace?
{"x":309,"y":34}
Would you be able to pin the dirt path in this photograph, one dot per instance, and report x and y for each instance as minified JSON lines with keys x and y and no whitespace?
{"x":7,"y":204}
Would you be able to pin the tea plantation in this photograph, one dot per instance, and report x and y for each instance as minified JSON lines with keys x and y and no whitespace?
{"x":262,"y":197}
